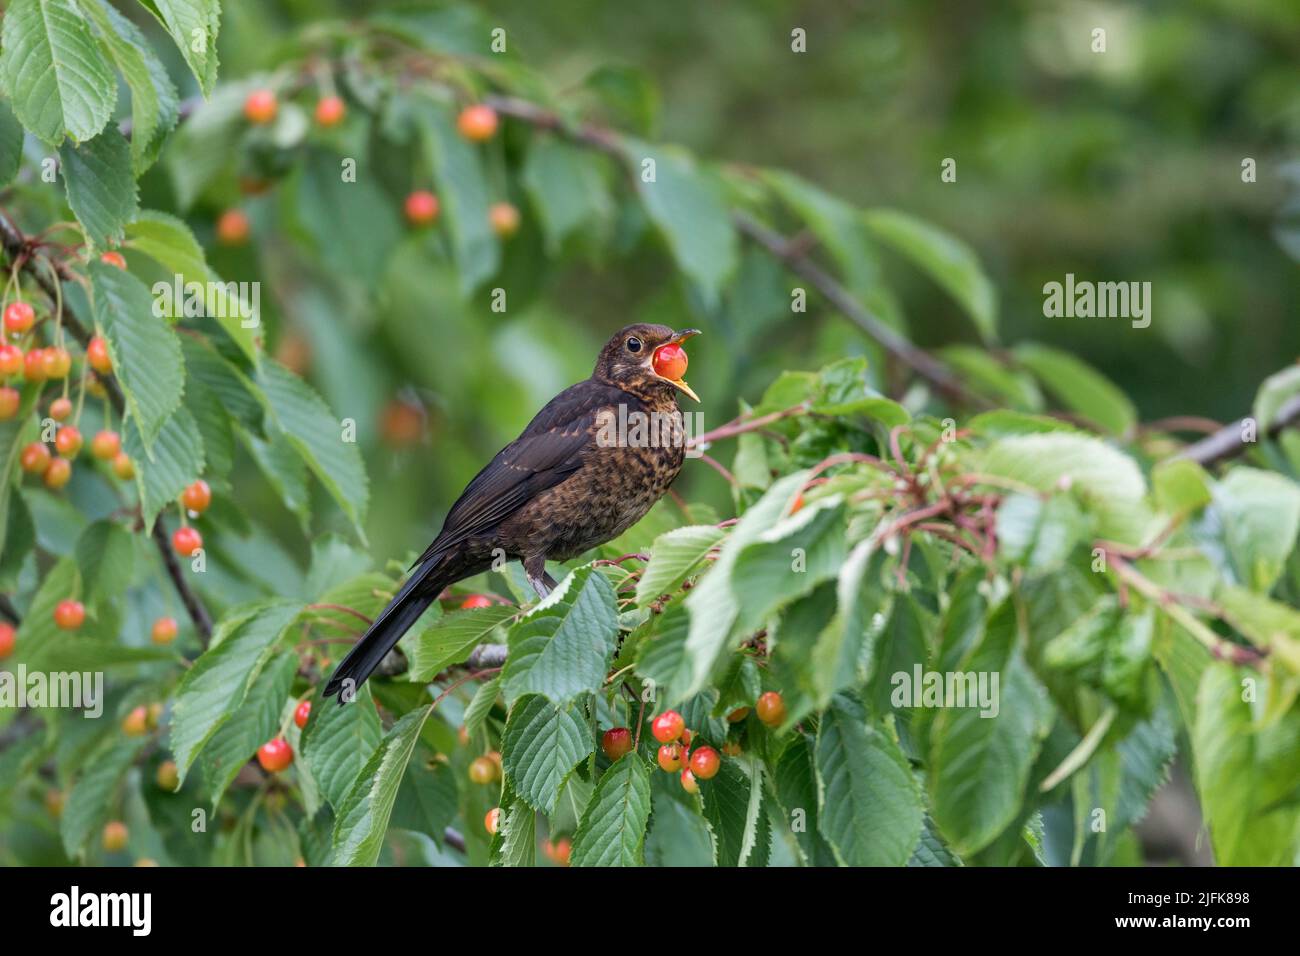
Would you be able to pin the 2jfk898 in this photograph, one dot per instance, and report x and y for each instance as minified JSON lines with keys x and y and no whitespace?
{"x":1204,"y":898}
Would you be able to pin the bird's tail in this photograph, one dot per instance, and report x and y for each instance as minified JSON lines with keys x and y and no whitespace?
{"x":414,"y":598}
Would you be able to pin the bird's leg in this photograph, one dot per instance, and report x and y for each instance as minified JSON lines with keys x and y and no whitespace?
{"x":535,"y":571}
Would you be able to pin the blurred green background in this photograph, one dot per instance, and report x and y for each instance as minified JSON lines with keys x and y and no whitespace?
{"x":1117,"y":166}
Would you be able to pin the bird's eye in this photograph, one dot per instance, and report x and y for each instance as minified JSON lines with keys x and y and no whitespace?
{"x":633,"y":344}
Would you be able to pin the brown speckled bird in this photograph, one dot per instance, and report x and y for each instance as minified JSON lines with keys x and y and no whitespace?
{"x":587,"y":468}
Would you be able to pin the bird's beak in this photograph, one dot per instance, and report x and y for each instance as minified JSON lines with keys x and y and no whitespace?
{"x":677,"y":339}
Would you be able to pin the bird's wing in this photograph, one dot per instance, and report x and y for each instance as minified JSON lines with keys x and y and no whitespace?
{"x":548,"y":451}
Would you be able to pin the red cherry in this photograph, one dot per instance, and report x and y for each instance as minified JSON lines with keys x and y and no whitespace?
{"x":69,"y":615}
{"x":504,"y":219}
{"x":68,"y":441}
{"x":688,"y":782}
{"x":668,"y":726}
{"x":705,"y":762}
{"x":670,"y":758}
{"x":8,"y":637}
{"x":11,"y":360}
{"x":301,"y":713}
{"x":559,"y":851}
{"x":35,"y":458}
{"x":105,"y":445}
{"x":233,"y":227}
{"x":97,"y":356}
{"x":475,"y":601}
{"x":197,"y":496}
{"x":477,"y":123}
{"x":737,"y":715}
{"x":19,"y":317}
{"x":10,"y":399}
{"x":421,"y":207}
{"x":275,"y":755}
{"x":616,"y":742}
{"x":60,"y":409}
{"x":330,"y":111}
{"x":483,"y":770}
{"x":186,"y":541}
{"x":770,"y":709}
{"x":732,"y":748}
{"x":123,"y":467}
{"x":34,"y":366}
{"x":164,"y":630}
{"x":113,"y":258}
{"x":670,"y":361}
{"x":492,"y":821}
{"x":260,"y":107}
{"x":58,"y":474}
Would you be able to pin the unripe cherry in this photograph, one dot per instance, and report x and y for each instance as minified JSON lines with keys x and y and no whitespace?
{"x":275,"y":755}
{"x":123,"y":466}
{"x":492,"y":821}
{"x":58,"y":474}
{"x":115,"y":836}
{"x":477,"y":123}
{"x":61,"y":409}
{"x":136,"y":722}
{"x":164,"y":630}
{"x":504,"y":219}
{"x":670,"y":758}
{"x":97,"y":355}
{"x":197,"y":497}
{"x":68,"y":441}
{"x":57,"y":363}
{"x":35,"y":459}
{"x":688,"y":782}
{"x":106,"y":445}
{"x":301,"y":713}
{"x":770,"y":709}
{"x":34,"y":366}
{"x":233,"y":227}
{"x":168,"y":776}
{"x":11,"y":360}
{"x":482,"y":770}
{"x":69,"y":615}
{"x":19,"y":317}
{"x":330,"y":111}
{"x":10,"y":400}
{"x":737,"y":715}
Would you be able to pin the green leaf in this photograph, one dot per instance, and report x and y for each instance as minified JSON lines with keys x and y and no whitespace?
{"x":194,"y":25}
{"x":541,"y":745}
{"x":1107,"y":481}
{"x":1181,"y":486}
{"x":1274,"y":392}
{"x":55,"y":77}
{"x":91,"y":799}
{"x":563,"y":645}
{"x":662,"y":656}
{"x":255,"y":722}
{"x":713,"y":607}
{"x":338,"y":741}
{"x":947,"y":260}
{"x":463,"y":189}
{"x":215,"y":687}
{"x":477,"y":711}
{"x":74,"y":653}
{"x":796,"y":788}
{"x":105,"y":554}
{"x":1039,"y":535}
{"x":1080,"y":387}
{"x":870,"y":806}
{"x":1236,"y":765}
{"x":146,"y":356}
{"x":449,"y":640}
{"x":674,"y":557}
{"x":154,"y":105}
{"x":364,"y":814}
{"x":163,"y":471}
{"x":842,"y":652}
{"x":568,"y":188}
{"x":312,"y":429}
{"x":170,"y":243}
{"x":1260,"y":515}
{"x":613,"y":826}
{"x":101,"y":186}
{"x":427,"y":798}
{"x":515,"y":843}
{"x":11,"y":144}
{"x":352,"y":225}
{"x":984,"y":372}
{"x":788,"y":561}
{"x":980,"y":761}
{"x":200,"y":151}
{"x":686,"y":207}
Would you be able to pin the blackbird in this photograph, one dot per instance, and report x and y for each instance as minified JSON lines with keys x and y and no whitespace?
{"x":587,"y":468}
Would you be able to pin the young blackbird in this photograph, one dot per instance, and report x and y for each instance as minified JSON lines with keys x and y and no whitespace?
{"x":573,"y":480}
